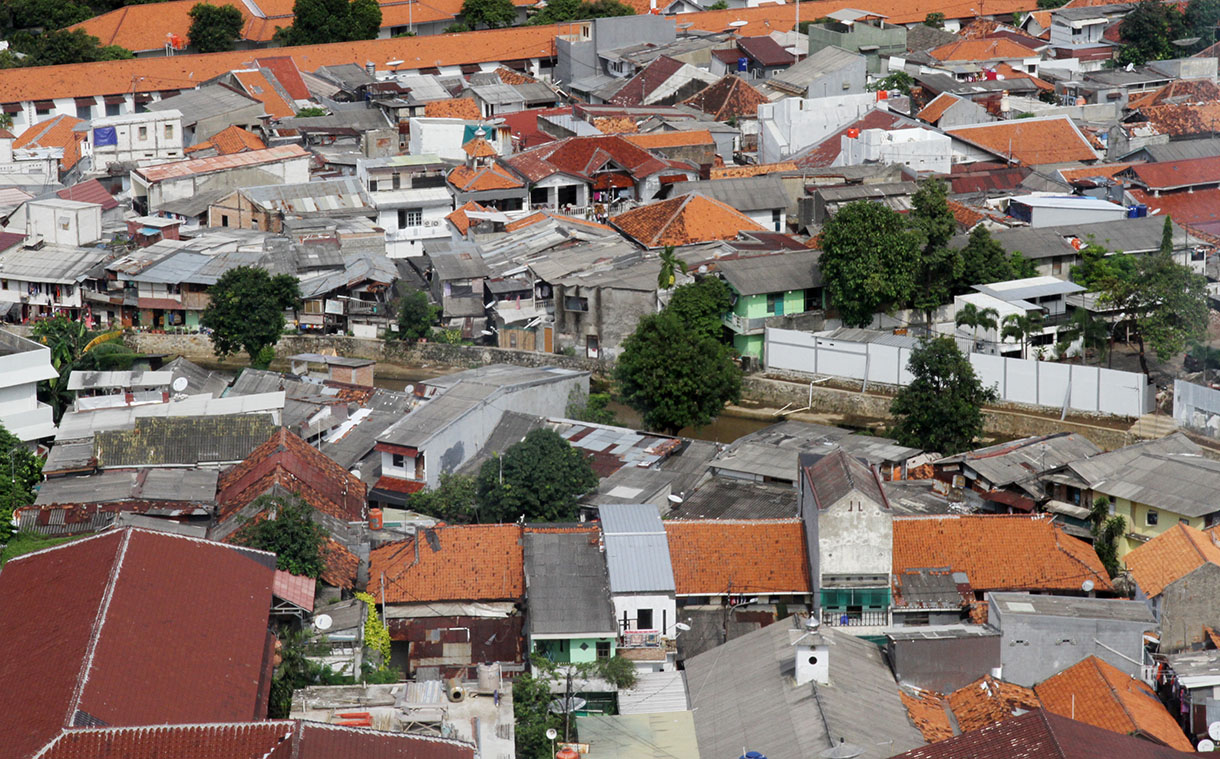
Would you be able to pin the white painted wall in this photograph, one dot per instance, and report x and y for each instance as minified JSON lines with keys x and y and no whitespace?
{"x":659,"y":604}
{"x":855,"y":537}
{"x":920,"y":149}
{"x":25,"y":364}
{"x":796,"y":123}
{"x":142,"y":138}
{"x":64,"y":222}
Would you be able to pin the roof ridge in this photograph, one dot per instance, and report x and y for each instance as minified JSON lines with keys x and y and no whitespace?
{"x":1096,"y":663}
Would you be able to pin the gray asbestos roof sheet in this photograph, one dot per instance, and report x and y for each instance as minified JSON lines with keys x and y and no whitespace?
{"x":744,"y":193}
{"x":637,"y":549}
{"x":742,"y":695}
{"x":1068,"y":606}
{"x":777,"y":273}
{"x":567,"y":589}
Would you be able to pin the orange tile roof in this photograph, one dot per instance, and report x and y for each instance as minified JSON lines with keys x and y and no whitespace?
{"x":964,"y":215}
{"x":1177,"y":91}
{"x":654,"y":140}
{"x":937,"y":107}
{"x":684,"y":220}
{"x":1032,"y":142}
{"x":540,"y":216}
{"x":148,"y":26}
{"x":255,"y":83}
{"x":231,"y":139}
{"x":715,"y":557}
{"x":1169,"y":556}
{"x":927,"y":712}
{"x":341,"y":565}
{"x":1099,"y":694}
{"x":492,"y":177}
{"x":987,"y":701}
{"x":507,"y":75}
{"x":479,"y":148}
{"x":1096,"y":170}
{"x":978,"y":50}
{"x":757,"y":170}
{"x":615,"y":125}
{"x":731,"y":97}
{"x":482,"y":562}
{"x":459,"y":219}
{"x":56,"y":132}
{"x":998,"y":552}
{"x":453,"y":108}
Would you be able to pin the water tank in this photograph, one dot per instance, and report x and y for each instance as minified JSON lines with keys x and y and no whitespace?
{"x":752,"y":755}
{"x":743,"y":64}
{"x":454,"y":690}
{"x":375,"y":519}
{"x":489,"y":678}
{"x":1141,"y":211}
{"x":883,"y":94}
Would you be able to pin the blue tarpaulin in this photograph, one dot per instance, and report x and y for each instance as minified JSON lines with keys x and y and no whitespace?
{"x":105,"y":136}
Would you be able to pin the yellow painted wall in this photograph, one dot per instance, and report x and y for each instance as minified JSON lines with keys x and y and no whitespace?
{"x":1136,"y":515}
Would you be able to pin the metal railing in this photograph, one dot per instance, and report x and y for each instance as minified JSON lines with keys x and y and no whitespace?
{"x":641,"y":639}
{"x":870,"y":618}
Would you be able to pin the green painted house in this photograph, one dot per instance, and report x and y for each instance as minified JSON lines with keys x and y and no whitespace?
{"x":780,"y":284}
{"x":569,"y":615}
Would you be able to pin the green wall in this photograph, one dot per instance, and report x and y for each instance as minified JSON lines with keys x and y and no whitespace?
{"x":570,"y":651}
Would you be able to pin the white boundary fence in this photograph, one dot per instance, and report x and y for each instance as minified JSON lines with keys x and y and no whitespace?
{"x":1038,"y":383}
{"x":1197,"y":407}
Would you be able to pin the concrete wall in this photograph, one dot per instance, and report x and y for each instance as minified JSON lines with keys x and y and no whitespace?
{"x":796,"y":123}
{"x":1026,"y":381}
{"x":944,"y":664}
{"x":855,"y":537}
{"x":1188,"y":605}
{"x":1035,"y":647}
{"x":664,"y":612}
{"x":854,"y":74}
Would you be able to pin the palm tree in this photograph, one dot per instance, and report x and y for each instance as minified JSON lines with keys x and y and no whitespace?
{"x":670,"y":266}
{"x":1093,"y":334}
{"x":970,"y":315}
{"x":1022,"y":327}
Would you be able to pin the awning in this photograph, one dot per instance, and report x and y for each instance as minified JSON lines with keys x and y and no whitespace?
{"x":1007,"y":498}
{"x":44,"y":105}
{"x":12,"y":107}
{"x":607,"y":181}
{"x":115,"y":99}
{"x":159,"y":303}
{"x":86,"y":101}
{"x":471,"y":68}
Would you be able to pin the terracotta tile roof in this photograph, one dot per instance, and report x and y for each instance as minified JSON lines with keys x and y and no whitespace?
{"x":466,"y":563}
{"x":541,"y":216}
{"x":1029,"y":141}
{"x":1096,"y":170}
{"x":89,"y":191}
{"x":231,"y":139}
{"x":987,"y":701}
{"x":453,"y":108}
{"x":655,"y":140}
{"x":397,"y":485}
{"x":139,"y":28}
{"x":1099,"y":694}
{"x":980,"y":50}
{"x":1177,"y":91}
{"x":1197,"y":209}
{"x":1181,"y":119}
{"x":730,"y":98}
{"x":937,"y":107}
{"x":998,"y":552}
{"x":256,"y":85}
{"x":285,"y":71}
{"x":1172,"y":175}
{"x":1041,"y":18}
{"x":479,"y":148}
{"x":757,"y":170}
{"x":717,"y":557}
{"x":507,"y":75}
{"x":459,"y":219}
{"x":964,"y":215}
{"x":615,"y":125}
{"x":765,"y":19}
{"x":766,"y":51}
{"x":927,"y":712}
{"x":586,"y":157}
{"x":341,"y":565}
{"x":56,"y":132}
{"x":287,"y":462}
{"x":684,"y":220}
{"x":128,"y":610}
{"x":491,"y":177}
{"x":1170,"y":556}
{"x":646,"y":80}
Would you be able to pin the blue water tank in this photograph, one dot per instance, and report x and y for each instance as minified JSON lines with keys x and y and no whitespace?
{"x":743,"y":65}
{"x":1141,"y":211}
{"x":752,"y":755}
{"x":1133,"y":212}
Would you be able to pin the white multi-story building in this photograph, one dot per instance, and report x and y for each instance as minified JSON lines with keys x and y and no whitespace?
{"x":23,"y":364}
{"x":139,"y":138}
{"x":411,"y":198}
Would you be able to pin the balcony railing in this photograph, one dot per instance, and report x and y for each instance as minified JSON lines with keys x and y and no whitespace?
{"x":743,"y":325}
{"x":641,"y":639}
{"x":871,"y":618}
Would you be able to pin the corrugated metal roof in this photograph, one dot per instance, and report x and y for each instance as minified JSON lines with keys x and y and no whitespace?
{"x":179,"y":169}
{"x":637,"y":548}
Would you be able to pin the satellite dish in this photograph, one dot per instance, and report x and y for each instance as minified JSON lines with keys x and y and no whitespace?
{"x":180,"y":384}
{"x":1086,"y":586}
{"x":323,"y":622}
{"x":674,"y":498}
{"x":682,"y":626}
{"x":1213,"y":731}
{"x":1206,"y":746}
{"x":738,"y":24}
{"x":393,"y":63}
{"x":551,"y":733}
{"x":409,"y":389}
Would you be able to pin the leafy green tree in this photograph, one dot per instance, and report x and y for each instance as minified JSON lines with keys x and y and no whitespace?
{"x":20,"y":472}
{"x":1148,"y":31}
{"x":1047,"y":5}
{"x":68,"y":340}
{"x":457,"y":27}
{"x":286,"y":528}
{"x":492,"y":14}
{"x":1020,"y":266}
{"x":532,"y":716}
{"x":616,"y":670}
{"x":897,"y":80}
{"x":970,"y":315}
{"x":1166,"y":247}
{"x":702,"y":304}
{"x":1165,"y":302}
{"x":246,"y":311}
{"x":941,"y":410}
{"x":1106,"y":531}
{"x":869,"y":260}
{"x":1200,"y":20}
{"x":1021,"y":327}
{"x":1205,"y":356}
{"x":671,"y":265}
{"x":719,"y":5}
{"x":416,"y":315}
{"x":674,"y":374}
{"x":592,"y":408}
{"x":45,"y":14}
{"x":1092,"y":332}
{"x":1097,"y":267}
{"x":558,"y":11}
{"x":542,"y":478}
{"x":59,"y":47}
{"x":984,"y":261}
{"x":214,"y":28}
{"x":296,"y":672}
{"x":939,"y":265}
{"x":453,"y":500}
{"x":320,"y":21}
{"x":935,"y":20}
{"x":311,"y":112}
